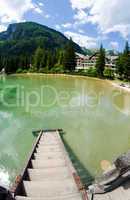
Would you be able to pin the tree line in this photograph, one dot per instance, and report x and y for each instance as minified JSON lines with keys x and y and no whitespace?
{"x":64,"y":61}
{"x":44,"y":61}
{"x":122,"y":65}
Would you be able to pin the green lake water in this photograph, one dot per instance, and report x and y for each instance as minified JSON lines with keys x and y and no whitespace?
{"x":93,"y":114}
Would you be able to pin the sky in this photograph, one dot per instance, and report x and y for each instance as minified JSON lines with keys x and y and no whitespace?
{"x":88,"y":22}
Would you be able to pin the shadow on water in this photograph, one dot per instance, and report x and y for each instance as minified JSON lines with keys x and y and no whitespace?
{"x":35,"y":133}
{"x":84,"y":174}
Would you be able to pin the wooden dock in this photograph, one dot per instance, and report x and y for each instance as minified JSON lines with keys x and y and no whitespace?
{"x":49,"y":174}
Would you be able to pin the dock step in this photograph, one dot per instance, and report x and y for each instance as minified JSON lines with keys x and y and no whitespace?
{"x":50,"y":188}
{"x":50,"y":176}
{"x":47,"y":163}
{"x":48,"y":145}
{"x":41,"y":174}
{"x":48,"y":156}
{"x":76,"y":196}
{"x":50,"y":153}
{"x":49,"y":150}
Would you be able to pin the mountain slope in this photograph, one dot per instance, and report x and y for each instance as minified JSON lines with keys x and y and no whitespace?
{"x":24,"y":38}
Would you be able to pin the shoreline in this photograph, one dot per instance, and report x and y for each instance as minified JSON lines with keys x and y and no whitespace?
{"x":124,"y":88}
{"x":114,"y":83}
{"x":62,"y":75}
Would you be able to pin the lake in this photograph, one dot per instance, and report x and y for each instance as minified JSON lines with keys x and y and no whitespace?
{"x":93,"y":114}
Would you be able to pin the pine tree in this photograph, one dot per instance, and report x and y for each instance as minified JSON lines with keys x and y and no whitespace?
{"x":61,"y":58}
{"x":123,"y":63}
{"x":49,"y":60}
{"x":43,"y":61}
{"x":100,"y":63}
{"x":126,"y":61}
{"x":38,"y":56}
{"x":69,"y":57}
{"x":120,"y":66}
{"x":127,"y":48}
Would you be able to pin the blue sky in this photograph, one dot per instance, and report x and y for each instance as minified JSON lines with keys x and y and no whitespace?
{"x":88,"y":22}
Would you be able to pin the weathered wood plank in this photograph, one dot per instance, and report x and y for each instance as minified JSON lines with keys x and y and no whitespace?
{"x":51,"y":176}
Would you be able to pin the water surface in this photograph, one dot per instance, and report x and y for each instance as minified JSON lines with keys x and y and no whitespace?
{"x":93,"y":114}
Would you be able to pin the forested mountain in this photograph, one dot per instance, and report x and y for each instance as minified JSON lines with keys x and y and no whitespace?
{"x":24,"y":38}
{"x":25,"y":44}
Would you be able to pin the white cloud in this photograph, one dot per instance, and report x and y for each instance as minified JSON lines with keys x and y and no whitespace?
{"x":47,"y":16}
{"x":5,"y":19}
{"x":2,"y":28}
{"x":81,"y":31}
{"x":58,"y":27}
{"x":14,"y":10}
{"x":124,"y":29}
{"x":114,"y":45}
{"x":37,"y":9}
{"x":82,"y":40}
{"x":110,"y":16}
{"x":41,"y":4}
{"x":81,"y":16}
{"x":67,"y":25}
{"x":80,"y":4}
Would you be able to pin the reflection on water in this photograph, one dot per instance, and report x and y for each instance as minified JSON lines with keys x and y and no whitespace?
{"x":93,"y":114}
{"x":4,"y":178}
{"x":121,"y":101}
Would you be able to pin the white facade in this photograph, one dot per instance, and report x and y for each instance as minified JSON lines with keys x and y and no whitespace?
{"x":85,"y":62}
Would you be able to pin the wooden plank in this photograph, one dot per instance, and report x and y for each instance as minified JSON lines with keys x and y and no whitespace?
{"x":103,"y":197}
{"x":51,"y":173}
{"x":67,"y":197}
{"x":41,"y":174}
{"x":50,"y":188}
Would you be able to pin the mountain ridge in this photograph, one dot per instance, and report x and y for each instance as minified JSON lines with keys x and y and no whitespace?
{"x":30,"y":35}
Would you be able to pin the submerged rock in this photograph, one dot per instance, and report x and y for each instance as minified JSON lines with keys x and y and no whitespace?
{"x":114,"y":176}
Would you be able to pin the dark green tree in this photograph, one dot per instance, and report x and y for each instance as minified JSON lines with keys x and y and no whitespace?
{"x":43,"y":61}
{"x":69,"y":57}
{"x":38,"y":56}
{"x":120,"y":66}
{"x":126,"y":61}
{"x":127,"y":48}
{"x":61,"y":58}
{"x":109,"y":73}
{"x":100,"y":63}
{"x":49,"y":60}
{"x":123,"y":63}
